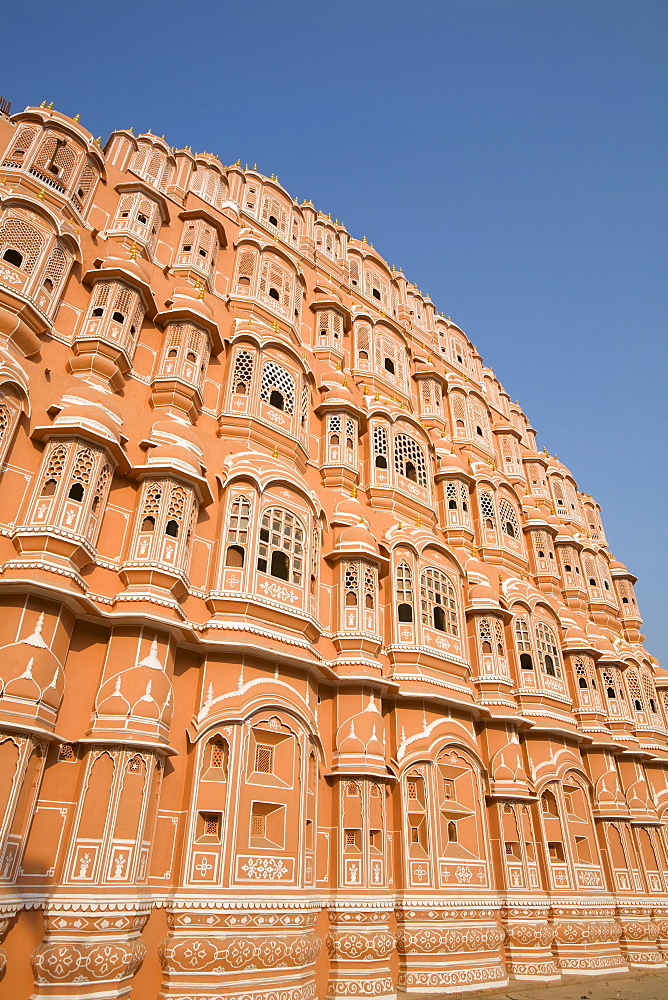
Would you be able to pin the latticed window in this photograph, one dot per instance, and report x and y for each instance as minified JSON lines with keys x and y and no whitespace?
{"x":56,"y":159}
{"x":363,"y":344}
{"x":242,"y":374}
{"x":558,"y":493}
{"x":508,"y":518}
{"x":571,"y":564}
{"x":459,"y":415}
{"x":264,"y":759}
{"x":430,"y":395}
{"x":277,"y":387}
{"x":498,"y":635}
{"x":21,"y":245}
{"x":370,"y":587}
{"x":390,"y":358}
{"x":152,"y":164}
{"x":404,"y":592}
{"x":281,"y":547}
{"x":354,"y":266}
{"x":164,"y":524}
{"x":99,"y":498}
{"x":198,"y":247}
{"x":375,"y":287}
{"x":10,"y":412}
{"x":480,"y":423}
{"x":571,"y":501}
{"x":523,"y":643}
{"x":23,"y":140}
{"x":487,"y":512}
{"x":537,"y":480}
{"x":458,"y":353}
{"x":186,"y":353}
{"x":329,"y":328}
{"x":485,"y":635}
{"x":437,"y":598}
{"x":591,"y":570}
{"x":650,"y":692}
{"x":246,"y":267}
{"x":409,"y":459}
{"x":277,"y":286}
{"x":274,"y":216}
{"x":238,"y":526}
{"x":457,"y":498}
{"x":627,"y":596}
{"x":208,"y":184}
{"x":380,"y":446}
{"x":548,"y":652}
{"x":140,"y":217}
{"x":351,"y":584}
{"x":633,"y":684}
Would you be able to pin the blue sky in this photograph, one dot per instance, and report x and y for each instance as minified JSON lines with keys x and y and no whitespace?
{"x":509,"y":155}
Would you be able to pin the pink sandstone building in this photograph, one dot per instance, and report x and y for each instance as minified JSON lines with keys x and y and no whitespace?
{"x":317,"y":678}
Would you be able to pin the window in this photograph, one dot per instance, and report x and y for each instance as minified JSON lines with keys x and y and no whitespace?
{"x":281,"y":547}
{"x":264,"y":759}
{"x":409,"y":459}
{"x":243,"y":373}
{"x":278,"y":387}
{"x":437,"y":597}
{"x":404,"y":592}
{"x":238,"y":523}
{"x":523,"y":642}
{"x":380,"y":447}
{"x":508,"y":518}
{"x":548,"y":652}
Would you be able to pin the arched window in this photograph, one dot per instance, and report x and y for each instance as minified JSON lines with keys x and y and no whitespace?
{"x":116,"y":314}
{"x":21,"y":245}
{"x":380,"y":447}
{"x":548,"y":651}
{"x":437,"y":599}
{"x":523,"y":643}
{"x":404,"y":592}
{"x":409,"y":459}
{"x":281,"y":546}
{"x":508,"y":518}
{"x":238,"y":524}
{"x":487,"y":512}
{"x":278,"y":386}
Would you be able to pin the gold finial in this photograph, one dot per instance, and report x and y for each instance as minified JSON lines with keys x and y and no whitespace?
{"x":274,"y":453}
{"x":402,"y":405}
{"x":353,"y":492}
{"x":77,"y":118}
{"x":474,"y":551}
{"x":50,"y":106}
{"x":255,"y":166}
{"x":43,"y":104}
{"x":237,"y":163}
{"x":400,"y":525}
{"x":418,"y":522}
{"x":364,"y":239}
{"x":303,"y":357}
{"x":133,"y":252}
{"x":345,"y":381}
{"x":98,"y":141}
{"x":41,"y":194}
{"x":338,"y":366}
{"x":276,"y":327}
{"x":377,"y":396}
{"x":131,"y":129}
{"x":201,"y":294}
{"x":365,"y":389}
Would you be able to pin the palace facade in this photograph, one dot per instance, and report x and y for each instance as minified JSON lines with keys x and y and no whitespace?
{"x":317,"y":678}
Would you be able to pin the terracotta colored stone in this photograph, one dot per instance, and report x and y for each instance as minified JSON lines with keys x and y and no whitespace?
{"x":317,"y":679}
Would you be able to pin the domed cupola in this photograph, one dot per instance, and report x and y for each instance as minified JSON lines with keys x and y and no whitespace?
{"x":31,"y":682}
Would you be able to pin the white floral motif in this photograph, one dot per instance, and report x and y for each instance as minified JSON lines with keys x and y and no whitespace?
{"x":463,"y":874}
{"x":277,"y":592}
{"x":278,"y":418}
{"x":442,"y":643}
{"x":10,"y":277}
{"x":264,"y":868}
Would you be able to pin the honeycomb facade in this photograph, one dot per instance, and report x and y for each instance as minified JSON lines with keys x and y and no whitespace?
{"x":317,"y":678}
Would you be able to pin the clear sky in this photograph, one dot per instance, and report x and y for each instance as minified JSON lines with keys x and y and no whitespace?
{"x":509,"y":155}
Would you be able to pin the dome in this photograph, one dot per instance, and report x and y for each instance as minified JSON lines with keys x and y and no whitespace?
{"x":357,"y":538}
{"x":30,"y":671}
{"x":482,"y":593}
{"x":348,"y":511}
{"x":174,"y":454}
{"x":120,"y":256}
{"x":188,"y":297}
{"x":181,"y":433}
{"x":85,"y":406}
